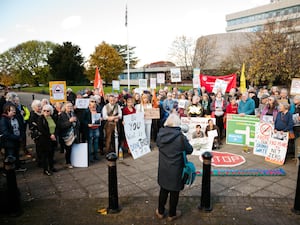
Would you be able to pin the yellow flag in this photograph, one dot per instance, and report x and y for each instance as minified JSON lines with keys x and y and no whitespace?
{"x":243,"y":80}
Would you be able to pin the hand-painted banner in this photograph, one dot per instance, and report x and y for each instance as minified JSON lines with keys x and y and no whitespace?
{"x":241,"y":129}
{"x":277,"y":147}
{"x":209,"y":81}
{"x":262,"y":137}
{"x":134,"y":128}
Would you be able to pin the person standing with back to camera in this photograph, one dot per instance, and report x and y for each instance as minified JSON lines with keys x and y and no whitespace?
{"x":171,"y":143}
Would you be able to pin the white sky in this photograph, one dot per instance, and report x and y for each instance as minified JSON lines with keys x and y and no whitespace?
{"x":152,"y":25}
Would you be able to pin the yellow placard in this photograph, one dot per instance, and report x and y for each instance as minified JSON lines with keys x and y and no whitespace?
{"x":57,"y":91}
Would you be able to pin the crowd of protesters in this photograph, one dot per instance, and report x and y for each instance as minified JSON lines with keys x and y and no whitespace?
{"x":58,"y":126}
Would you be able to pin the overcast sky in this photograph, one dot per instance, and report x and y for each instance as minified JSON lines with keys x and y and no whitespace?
{"x":152,"y":25}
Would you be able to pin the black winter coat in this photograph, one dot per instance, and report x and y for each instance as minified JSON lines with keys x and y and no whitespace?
{"x":171,"y":143}
{"x":9,"y":139}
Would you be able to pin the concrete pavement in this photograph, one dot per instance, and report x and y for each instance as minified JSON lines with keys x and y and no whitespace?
{"x":73,"y":196}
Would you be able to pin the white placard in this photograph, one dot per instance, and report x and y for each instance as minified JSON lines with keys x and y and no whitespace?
{"x":160,"y":78}
{"x":134,"y":127}
{"x":175,"y":75}
{"x":196,"y":73}
{"x":143,"y":84}
{"x":220,"y":84}
{"x":153,"y":83}
{"x":116,"y":85}
{"x":196,"y":82}
{"x":277,"y":147}
{"x":82,"y":103}
{"x":263,"y":132}
{"x":295,"y":86}
{"x":79,"y":156}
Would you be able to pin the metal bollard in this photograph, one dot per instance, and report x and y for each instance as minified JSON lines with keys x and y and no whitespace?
{"x":296,"y":208}
{"x":13,"y":194}
{"x":205,"y":192}
{"x":113,"y":206}
{"x":32,"y":97}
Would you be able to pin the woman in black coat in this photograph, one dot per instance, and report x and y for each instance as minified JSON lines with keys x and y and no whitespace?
{"x":66,"y":121}
{"x":11,"y":134}
{"x":171,"y":143}
{"x":47,"y":128}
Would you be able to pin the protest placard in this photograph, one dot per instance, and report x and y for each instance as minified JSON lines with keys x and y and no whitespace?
{"x":241,"y":129}
{"x":134,"y":127}
{"x":82,"y":103}
{"x":200,"y":145}
{"x":277,"y":147}
{"x":152,"y":113}
{"x":262,"y":138}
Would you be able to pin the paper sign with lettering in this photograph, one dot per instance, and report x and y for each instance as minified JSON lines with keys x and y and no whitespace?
{"x":82,"y":103}
{"x":134,"y":127}
{"x":175,"y":75}
{"x":153,"y":83}
{"x":160,"y":78}
{"x":277,"y":147}
{"x":263,"y":132}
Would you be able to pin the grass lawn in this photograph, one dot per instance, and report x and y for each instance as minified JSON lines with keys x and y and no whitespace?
{"x":108,"y":89}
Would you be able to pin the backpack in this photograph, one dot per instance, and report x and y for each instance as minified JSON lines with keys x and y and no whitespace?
{"x":188,"y":172}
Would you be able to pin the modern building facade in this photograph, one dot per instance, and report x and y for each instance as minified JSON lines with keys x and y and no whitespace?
{"x":252,"y":20}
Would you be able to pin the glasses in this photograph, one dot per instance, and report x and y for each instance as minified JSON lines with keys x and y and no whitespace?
{"x":93,"y":101}
{"x":46,"y":110}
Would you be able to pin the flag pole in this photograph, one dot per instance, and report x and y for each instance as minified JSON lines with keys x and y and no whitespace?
{"x":128,"y":61}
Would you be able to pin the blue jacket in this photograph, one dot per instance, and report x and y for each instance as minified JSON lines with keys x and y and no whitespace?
{"x":246,"y":107}
{"x":284,"y":122}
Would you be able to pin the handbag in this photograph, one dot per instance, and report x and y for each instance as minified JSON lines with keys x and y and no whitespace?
{"x":188,"y":172}
{"x":69,"y":138}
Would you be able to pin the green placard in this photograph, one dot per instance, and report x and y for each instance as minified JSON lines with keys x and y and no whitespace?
{"x":241,"y":129}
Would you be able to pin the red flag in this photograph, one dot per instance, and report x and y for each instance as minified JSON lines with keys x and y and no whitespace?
{"x":98,"y":83}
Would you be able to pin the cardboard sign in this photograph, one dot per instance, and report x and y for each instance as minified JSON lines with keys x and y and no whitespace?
{"x":152,"y":113}
{"x":225,"y":159}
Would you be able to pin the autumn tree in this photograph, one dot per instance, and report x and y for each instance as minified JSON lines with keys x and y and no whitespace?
{"x":205,"y":51}
{"x":273,"y":56}
{"x":26,"y":63}
{"x":182,"y":52}
{"x":109,"y":62}
{"x":66,"y":63}
{"x":122,"y":50}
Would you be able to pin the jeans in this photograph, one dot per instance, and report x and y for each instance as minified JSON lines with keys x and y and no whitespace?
{"x":93,"y":143}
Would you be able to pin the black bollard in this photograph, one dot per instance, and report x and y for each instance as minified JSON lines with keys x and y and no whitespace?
{"x":32,"y":97}
{"x":296,"y":208}
{"x":205,"y":192}
{"x":13,"y":194}
{"x":113,"y":206}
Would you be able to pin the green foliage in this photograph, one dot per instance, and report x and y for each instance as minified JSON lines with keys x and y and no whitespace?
{"x":27,"y":62}
{"x":109,"y":62}
{"x":66,"y":63}
{"x":122,"y":50}
{"x":273,"y":57}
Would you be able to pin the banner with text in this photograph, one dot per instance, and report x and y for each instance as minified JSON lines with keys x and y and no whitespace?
{"x":262,"y":137}
{"x":134,"y":127}
{"x":209,"y":81}
{"x":277,"y":147}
